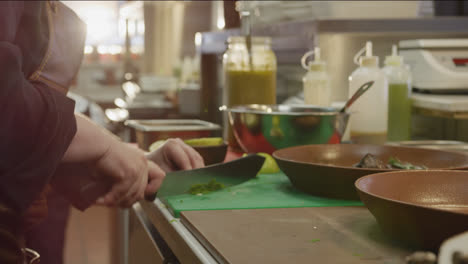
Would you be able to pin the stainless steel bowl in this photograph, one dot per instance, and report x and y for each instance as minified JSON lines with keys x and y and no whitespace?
{"x":266,"y":128}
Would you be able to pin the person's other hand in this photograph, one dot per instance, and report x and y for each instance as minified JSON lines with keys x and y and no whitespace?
{"x":132,"y":174}
{"x":174,"y":155}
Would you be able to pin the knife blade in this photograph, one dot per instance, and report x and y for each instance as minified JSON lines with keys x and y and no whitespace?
{"x":229,"y":174}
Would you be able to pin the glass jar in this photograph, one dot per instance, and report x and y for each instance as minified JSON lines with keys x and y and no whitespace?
{"x":249,"y":76}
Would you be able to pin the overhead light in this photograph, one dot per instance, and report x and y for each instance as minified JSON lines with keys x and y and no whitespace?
{"x":198,"y":39}
{"x":221,"y":23}
{"x":88,"y":49}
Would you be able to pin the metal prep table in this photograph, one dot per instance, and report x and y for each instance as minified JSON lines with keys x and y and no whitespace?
{"x":285,"y":235}
{"x":290,"y":235}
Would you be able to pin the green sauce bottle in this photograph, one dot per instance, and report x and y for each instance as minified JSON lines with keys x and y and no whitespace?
{"x":399,"y":100}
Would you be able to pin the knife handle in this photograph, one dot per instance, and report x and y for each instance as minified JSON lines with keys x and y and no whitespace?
{"x":151,"y":197}
{"x":77,"y":182}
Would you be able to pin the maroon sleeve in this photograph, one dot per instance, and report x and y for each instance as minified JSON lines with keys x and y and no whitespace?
{"x":36,"y":123}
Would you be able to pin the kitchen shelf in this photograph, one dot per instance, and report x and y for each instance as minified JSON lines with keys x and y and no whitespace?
{"x":338,"y":39}
{"x":299,"y":34}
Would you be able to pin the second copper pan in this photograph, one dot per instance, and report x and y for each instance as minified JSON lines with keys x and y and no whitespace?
{"x":418,"y":208}
{"x":327,"y":170}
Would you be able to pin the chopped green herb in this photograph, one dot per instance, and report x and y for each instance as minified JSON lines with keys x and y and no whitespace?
{"x":357,"y":254}
{"x":371,"y":161}
{"x":173,"y":220}
{"x":211,"y":186}
{"x":398,"y":164}
{"x":314,"y":240}
{"x":181,"y":201}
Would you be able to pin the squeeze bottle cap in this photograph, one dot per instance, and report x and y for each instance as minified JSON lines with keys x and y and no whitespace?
{"x":317,"y":64}
{"x":394,"y":59}
{"x":368,"y":60}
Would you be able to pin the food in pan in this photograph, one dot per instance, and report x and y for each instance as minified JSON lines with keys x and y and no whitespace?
{"x":372,"y":162}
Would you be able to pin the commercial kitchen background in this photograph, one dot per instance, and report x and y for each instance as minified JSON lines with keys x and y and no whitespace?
{"x":166,"y":50}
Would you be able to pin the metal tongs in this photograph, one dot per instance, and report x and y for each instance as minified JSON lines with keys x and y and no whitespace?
{"x":356,"y":95}
{"x":245,"y":11}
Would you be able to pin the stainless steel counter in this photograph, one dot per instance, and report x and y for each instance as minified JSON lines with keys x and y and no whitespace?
{"x":325,"y":234}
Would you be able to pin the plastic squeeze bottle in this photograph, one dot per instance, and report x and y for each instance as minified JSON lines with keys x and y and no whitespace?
{"x":316,"y":81}
{"x":399,"y":100}
{"x":369,"y":115}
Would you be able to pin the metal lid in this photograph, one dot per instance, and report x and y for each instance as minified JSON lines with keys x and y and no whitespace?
{"x":291,"y":110}
{"x":255,"y":40}
{"x":433,"y":43}
{"x":171,"y":125}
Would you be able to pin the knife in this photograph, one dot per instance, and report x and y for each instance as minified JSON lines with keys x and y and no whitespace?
{"x":79,"y":184}
{"x":229,"y":174}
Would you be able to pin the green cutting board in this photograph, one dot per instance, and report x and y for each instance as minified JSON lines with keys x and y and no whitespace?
{"x":265,"y":191}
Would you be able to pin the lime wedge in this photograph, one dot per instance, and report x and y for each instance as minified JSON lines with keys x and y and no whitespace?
{"x":203,"y":142}
{"x":269,"y":165}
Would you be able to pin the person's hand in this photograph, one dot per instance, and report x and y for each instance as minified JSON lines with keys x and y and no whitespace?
{"x":174,"y":155}
{"x":132,"y":174}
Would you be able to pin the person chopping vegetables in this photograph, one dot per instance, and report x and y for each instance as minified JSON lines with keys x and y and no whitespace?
{"x":41,"y":47}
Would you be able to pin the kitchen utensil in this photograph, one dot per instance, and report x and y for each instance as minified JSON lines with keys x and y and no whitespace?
{"x":419,"y":208}
{"x":79,"y":185}
{"x":245,"y":11}
{"x":316,"y":81}
{"x":149,"y":131}
{"x":266,"y":128}
{"x":229,"y":174}
{"x":264,"y":191}
{"x":327,"y":170}
{"x":212,"y":154}
{"x":399,"y":97}
{"x":360,"y":91}
{"x":369,"y":124}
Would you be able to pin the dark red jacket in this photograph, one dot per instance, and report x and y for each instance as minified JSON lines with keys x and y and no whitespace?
{"x":36,"y":123}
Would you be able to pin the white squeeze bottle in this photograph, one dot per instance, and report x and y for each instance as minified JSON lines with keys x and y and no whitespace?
{"x":316,"y":81}
{"x":369,"y":115}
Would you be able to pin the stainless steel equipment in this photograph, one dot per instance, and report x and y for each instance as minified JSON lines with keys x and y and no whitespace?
{"x":437,"y":65}
{"x":266,"y":128}
{"x":338,"y":39}
{"x":449,"y":145}
{"x":149,"y":131}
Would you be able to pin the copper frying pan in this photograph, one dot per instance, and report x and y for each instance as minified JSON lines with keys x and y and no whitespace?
{"x":327,"y":170}
{"x":419,"y":208}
